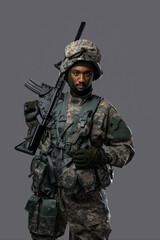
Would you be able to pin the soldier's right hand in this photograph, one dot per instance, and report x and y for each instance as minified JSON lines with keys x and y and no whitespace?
{"x":31,"y":110}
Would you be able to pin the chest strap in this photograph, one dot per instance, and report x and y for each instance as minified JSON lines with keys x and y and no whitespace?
{"x":85,"y":116}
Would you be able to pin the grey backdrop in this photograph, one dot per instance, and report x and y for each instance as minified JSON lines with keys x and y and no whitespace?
{"x":33,"y":35}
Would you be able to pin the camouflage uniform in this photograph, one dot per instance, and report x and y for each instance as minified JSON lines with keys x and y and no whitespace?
{"x":80,"y":193}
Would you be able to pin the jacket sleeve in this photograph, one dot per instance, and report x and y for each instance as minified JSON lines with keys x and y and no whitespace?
{"x":119,"y":139}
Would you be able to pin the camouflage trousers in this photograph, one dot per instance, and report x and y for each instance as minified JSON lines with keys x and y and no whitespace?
{"x":86,"y":215}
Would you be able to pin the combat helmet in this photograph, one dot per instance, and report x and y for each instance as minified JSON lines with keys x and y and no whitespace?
{"x":82,"y":50}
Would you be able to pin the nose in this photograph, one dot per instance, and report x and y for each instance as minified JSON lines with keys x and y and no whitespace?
{"x":81,"y":78}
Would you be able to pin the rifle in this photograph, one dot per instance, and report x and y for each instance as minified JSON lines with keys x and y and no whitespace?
{"x":51,"y":95}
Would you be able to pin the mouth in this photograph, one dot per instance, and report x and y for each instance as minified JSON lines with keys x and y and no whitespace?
{"x":80,"y":86}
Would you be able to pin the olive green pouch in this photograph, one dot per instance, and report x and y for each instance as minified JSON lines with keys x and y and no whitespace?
{"x":42,"y":215}
{"x":31,"y":204}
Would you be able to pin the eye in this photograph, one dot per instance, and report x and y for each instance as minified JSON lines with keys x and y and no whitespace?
{"x":88,"y":74}
{"x":76,"y":73}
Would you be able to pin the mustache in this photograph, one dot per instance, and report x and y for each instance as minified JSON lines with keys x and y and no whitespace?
{"x":81,"y":84}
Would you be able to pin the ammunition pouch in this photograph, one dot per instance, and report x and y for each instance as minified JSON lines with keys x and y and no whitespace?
{"x":43,"y":175}
{"x":78,"y":180}
{"x":42,"y":215}
{"x":86,"y":180}
{"x":69,"y":177}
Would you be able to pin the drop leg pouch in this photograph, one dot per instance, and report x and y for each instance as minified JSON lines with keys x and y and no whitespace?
{"x":42,"y":215}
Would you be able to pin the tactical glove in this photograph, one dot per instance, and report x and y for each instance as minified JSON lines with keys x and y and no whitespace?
{"x":90,"y":158}
{"x":31,"y":110}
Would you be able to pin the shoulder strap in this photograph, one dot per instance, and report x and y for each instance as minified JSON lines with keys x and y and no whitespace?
{"x":62,"y":116}
{"x":90,"y":105}
{"x":86,"y":113}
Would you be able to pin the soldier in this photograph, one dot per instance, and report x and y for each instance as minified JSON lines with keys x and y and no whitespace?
{"x":73,"y":169}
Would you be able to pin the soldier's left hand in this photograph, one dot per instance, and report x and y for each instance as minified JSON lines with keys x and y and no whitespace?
{"x":89,"y":158}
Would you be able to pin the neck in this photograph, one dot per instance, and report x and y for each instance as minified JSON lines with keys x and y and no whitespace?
{"x":83,"y":94}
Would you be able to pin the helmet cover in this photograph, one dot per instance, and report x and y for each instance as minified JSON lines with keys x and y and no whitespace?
{"x":82,"y":50}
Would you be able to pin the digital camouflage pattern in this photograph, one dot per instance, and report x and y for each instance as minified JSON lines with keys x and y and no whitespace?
{"x":79,"y":194}
{"x":86,"y":220}
{"x":87,"y":216}
{"x":77,"y":47}
{"x":82,"y":50}
{"x":39,"y":224}
{"x":79,"y":191}
{"x":105,"y":129}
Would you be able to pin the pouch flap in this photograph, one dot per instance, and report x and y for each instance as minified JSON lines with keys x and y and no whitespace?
{"x":30,"y":206}
{"x":48,"y":208}
{"x":86,"y":177}
{"x":69,"y":177}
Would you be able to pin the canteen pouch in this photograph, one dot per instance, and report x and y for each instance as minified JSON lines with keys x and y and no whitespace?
{"x":42,"y":215}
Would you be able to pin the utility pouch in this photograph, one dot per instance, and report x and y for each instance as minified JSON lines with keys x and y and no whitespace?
{"x":87,"y":179}
{"x":31,"y":204}
{"x":69,"y":181}
{"x":104,"y":175}
{"x":69,"y":177}
{"x":42,"y":176}
{"x":42,"y":215}
{"x":38,"y":168}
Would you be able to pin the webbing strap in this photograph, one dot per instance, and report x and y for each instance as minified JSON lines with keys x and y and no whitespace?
{"x":51,"y":170}
{"x":86,"y":113}
{"x":62,"y":117}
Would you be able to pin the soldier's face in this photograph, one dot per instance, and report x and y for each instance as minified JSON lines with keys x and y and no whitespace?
{"x":81,"y":77}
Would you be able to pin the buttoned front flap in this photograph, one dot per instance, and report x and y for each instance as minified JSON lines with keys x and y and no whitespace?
{"x":69,"y":177}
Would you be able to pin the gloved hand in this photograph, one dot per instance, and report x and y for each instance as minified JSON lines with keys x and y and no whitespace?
{"x":90,"y":158}
{"x":31,"y":110}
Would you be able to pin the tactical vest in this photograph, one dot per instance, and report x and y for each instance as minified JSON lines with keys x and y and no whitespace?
{"x":68,"y":139}
{"x":57,"y":168}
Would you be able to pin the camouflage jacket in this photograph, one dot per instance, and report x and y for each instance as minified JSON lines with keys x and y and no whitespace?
{"x":107,"y":128}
